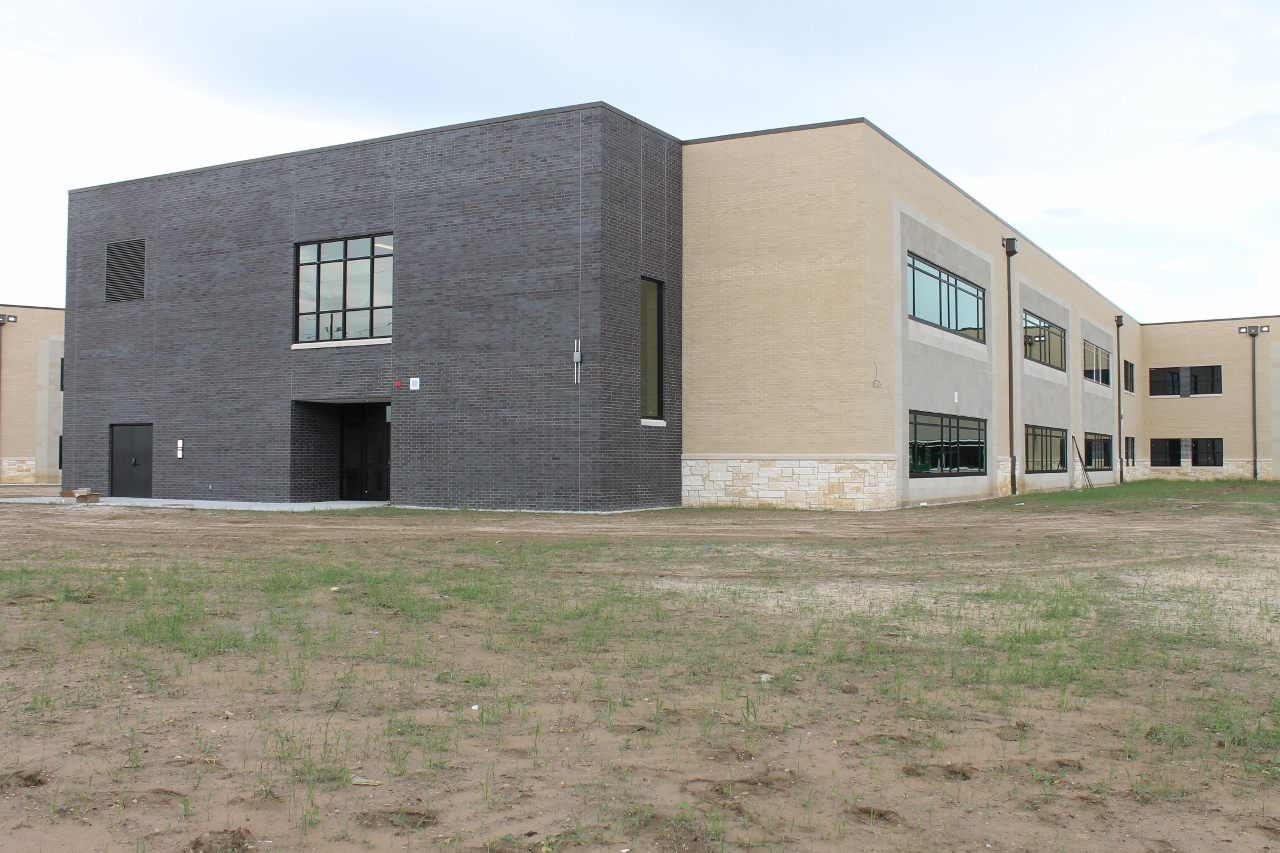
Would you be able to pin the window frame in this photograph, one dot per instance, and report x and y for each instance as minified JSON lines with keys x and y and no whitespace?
{"x":318,"y":264}
{"x":1051,"y":330}
{"x":1042,"y":435}
{"x":1167,"y":460}
{"x":1130,"y":376}
{"x":1214,"y":381}
{"x":659,"y":338}
{"x":1092,"y":440}
{"x":951,"y":447}
{"x":953,"y":286}
{"x":1095,"y":354}
{"x":1215,"y":453}
{"x":1131,"y":450}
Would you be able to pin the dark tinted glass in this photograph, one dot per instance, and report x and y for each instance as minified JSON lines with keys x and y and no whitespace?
{"x":946,"y":445}
{"x":650,"y":349}
{"x":1046,"y":450}
{"x":1206,"y":451}
{"x":1166,"y":452}
{"x":1165,"y":382}
{"x":1206,"y":379}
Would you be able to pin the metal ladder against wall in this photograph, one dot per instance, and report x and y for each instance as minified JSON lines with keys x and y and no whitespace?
{"x":1084,"y":469}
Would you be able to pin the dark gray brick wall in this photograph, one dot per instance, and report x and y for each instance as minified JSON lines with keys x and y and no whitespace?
{"x":513,"y":238}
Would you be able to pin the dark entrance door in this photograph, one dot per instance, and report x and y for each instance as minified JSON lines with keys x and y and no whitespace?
{"x":366,"y":453}
{"x":131,"y":460}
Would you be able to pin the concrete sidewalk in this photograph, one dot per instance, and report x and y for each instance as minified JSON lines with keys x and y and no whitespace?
{"x":305,"y":506}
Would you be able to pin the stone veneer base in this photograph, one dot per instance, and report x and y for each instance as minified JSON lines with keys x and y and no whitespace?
{"x":1236,"y":469}
{"x":791,"y":483}
{"x":17,"y":470}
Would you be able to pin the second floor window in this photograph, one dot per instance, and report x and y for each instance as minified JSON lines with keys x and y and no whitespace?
{"x":1043,"y":341}
{"x":943,"y":299}
{"x":1129,"y":382}
{"x":1206,"y":379}
{"x":344,"y":289}
{"x":1166,"y":382}
{"x":1097,"y":365}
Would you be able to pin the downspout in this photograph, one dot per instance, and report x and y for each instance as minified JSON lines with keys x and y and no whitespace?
{"x":1010,"y":249}
{"x":1253,"y":371}
{"x":1120,"y":445}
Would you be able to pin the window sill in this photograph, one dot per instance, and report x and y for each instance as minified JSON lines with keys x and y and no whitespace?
{"x":1219,"y":394}
{"x":359,"y":342}
{"x":652,"y":422}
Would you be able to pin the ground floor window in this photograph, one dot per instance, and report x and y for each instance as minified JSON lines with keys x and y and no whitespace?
{"x":1206,"y":451}
{"x":1130,"y":450}
{"x":1097,"y":451}
{"x":1166,"y":452}
{"x":947,"y":446}
{"x":1046,"y":450}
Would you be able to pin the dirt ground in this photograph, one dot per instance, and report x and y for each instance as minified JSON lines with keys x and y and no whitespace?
{"x":1080,"y":672}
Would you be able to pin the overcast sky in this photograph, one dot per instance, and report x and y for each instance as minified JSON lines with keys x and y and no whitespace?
{"x":1138,"y":143}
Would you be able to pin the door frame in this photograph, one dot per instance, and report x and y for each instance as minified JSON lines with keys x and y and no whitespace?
{"x":111,"y":456}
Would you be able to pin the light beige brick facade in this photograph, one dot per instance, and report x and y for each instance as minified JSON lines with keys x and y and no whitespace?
{"x":30,"y":394}
{"x":800,"y":351}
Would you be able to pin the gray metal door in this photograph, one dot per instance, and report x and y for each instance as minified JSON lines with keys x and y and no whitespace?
{"x":131,"y":460}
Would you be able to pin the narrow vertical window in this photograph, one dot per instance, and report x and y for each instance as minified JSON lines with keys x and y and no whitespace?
{"x":1128,"y":377}
{"x":650,"y":349}
{"x":1130,"y":450}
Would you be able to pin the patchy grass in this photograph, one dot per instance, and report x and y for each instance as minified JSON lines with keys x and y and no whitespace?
{"x":927,"y":679}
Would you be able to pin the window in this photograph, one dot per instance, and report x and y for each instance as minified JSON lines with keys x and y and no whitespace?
{"x":59,"y":453}
{"x":1043,"y":341}
{"x":62,"y":377}
{"x":1206,"y":380}
{"x":344,"y":289}
{"x":1206,"y":452}
{"x":650,"y":349}
{"x":1097,"y":451}
{"x":126,"y":270}
{"x":1166,"y":452}
{"x":947,"y":446}
{"x":1130,"y":450}
{"x":943,"y":299}
{"x":1129,"y":382}
{"x":1097,"y":364}
{"x":1166,"y":382}
{"x":1046,"y":450}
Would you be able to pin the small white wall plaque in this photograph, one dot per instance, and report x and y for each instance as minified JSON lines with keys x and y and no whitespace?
{"x":414,"y":383}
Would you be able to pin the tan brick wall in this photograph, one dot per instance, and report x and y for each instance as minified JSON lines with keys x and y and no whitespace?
{"x":30,"y":411}
{"x":1229,"y":416}
{"x":776,"y":359}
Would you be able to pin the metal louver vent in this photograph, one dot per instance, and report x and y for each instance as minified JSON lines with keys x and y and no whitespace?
{"x":126,"y":270}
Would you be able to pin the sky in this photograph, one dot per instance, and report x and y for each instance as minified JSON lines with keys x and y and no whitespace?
{"x":1136,"y":142}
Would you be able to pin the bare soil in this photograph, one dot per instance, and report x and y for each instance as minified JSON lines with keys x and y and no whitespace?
{"x":1082,"y":672}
